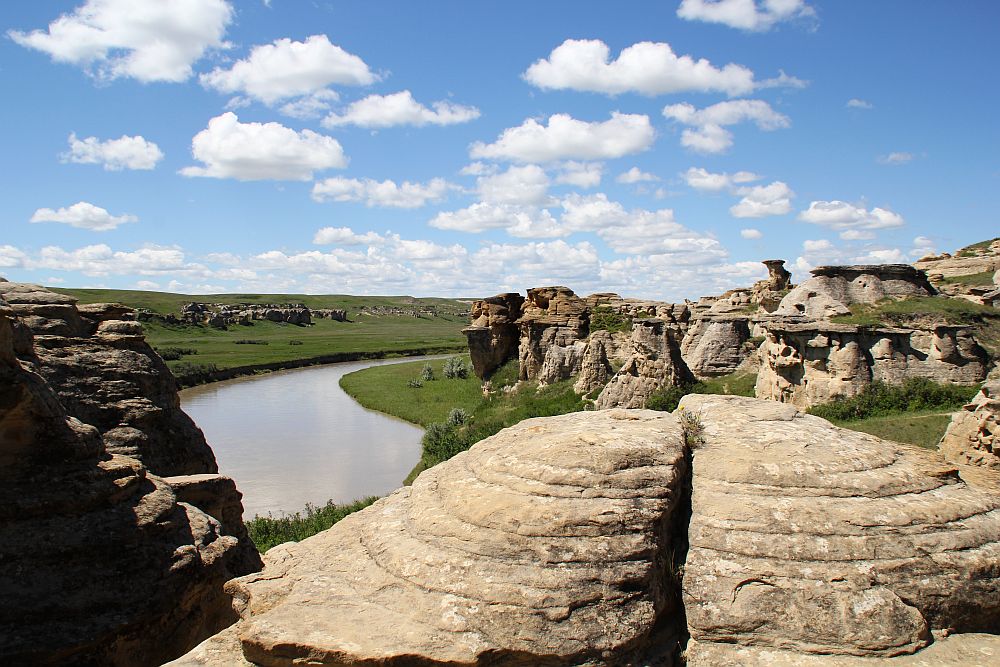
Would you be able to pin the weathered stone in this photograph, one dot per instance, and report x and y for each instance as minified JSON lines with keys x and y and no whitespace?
{"x":814,"y":362}
{"x":551,"y":317}
{"x":601,"y":360}
{"x":973,"y":436}
{"x":493,"y":335}
{"x":768,"y":293}
{"x":716,"y":345}
{"x":654,"y":362}
{"x":547,"y":544}
{"x":965,"y":263}
{"x":832,"y":289}
{"x":814,"y":539}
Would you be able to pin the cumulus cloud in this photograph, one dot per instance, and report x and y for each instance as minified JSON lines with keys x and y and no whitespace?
{"x":587,"y":213}
{"x":751,"y":233}
{"x":101,"y":260}
{"x":11,"y":257}
{"x":857,"y":235}
{"x":841,"y":215}
{"x":580,"y":174}
{"x":345,"y":236}
{"x":707,"y":133}
{"x":528,"y":184}
{"x":566,"y":138}
{"x":650,"y":68}
{"x":636,"y":175}
{"x":377,"y":111}
{"x":700,"y":178}
{"x":517,"y":220}
{"x":83,"y":215}
{"x":261,"y":151}
{"x":749,"y":15}
{"x":114,"y":154}
{"x":895,"y":158}
{"x":855,"y":103}
{"x":285,"y":69}
{"x":386,"y":194}
{"x":148,"y":40}
{"x":763,"y":200}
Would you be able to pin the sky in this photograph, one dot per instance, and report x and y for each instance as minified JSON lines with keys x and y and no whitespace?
{"x":655,"y":149}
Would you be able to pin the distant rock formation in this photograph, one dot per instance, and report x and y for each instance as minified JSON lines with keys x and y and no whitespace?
{"x":106,"y":562}
{"x":716,"y":345}
{"x":805,"y":363}
{"x":654,"y":363}
{"x":604,"y":538}
{"x":768,"y":293}
{"x":973,"y":436}
{"x":832,"y":289}
{"x":553,"y":323}
{"x":493,"y":335}
{"x":966,"y":262}
{"x":223,"y":315}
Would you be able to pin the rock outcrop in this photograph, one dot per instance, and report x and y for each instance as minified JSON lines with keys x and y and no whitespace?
{"x":603,"y":538}
{"x":493,"y":333}
{"x":982,"y":259}
{"x":553,"y":323}
{"x":223,"y":315}
{"x":768,"y":293}
{"x":104,"y":565}
{"x":716,"y":345}
{"x":604,"y":355}
{"x":973,"y":436}
{"x":654,"y":362}
{"x":805,"y":363}
{"x":832,"y":289}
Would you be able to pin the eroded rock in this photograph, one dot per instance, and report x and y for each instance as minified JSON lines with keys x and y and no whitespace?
{"x":654,"y":362}
{"x":716,"y":345}
{"x":832,"y":289}
{"x":493,"y":333}
{"x":973,"y":436}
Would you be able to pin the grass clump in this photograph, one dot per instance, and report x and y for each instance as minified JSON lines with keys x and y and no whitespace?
{"x":268,"y":531}
{"x":189,"y":374}
{"x":250,"y":341}
{"x":924,"y":429}
{"x":604,"y":318}
{"x":456,"y":369}
{"x":427,"y":373}
{"x":880,"y":399}
{"x":983,"y":279}
{"x":735,"y":384}
{"x":937,"y":308}
{"x":175,"y":353}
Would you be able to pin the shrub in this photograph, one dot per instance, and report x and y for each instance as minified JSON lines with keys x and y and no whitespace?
{"x":269,"y":531}
{"x":458,"y":417}
{"x":606,"y":319}
{"x":666,"y":398}
{"x":175,"y":353}
{"x":189,"y":374}
{"x":456,"y":369}
{"x":442,"y":441}
{"x":295,"y":342}
{"x":692,"y":428}
{"x":250,"y":341}
{"x":880,"y":399}
{"x":414,"y":384}
{"x":427,"y":373}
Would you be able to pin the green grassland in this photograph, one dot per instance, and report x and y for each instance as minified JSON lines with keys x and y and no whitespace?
{"x":924,"y":428}
{"x":983,"y":279}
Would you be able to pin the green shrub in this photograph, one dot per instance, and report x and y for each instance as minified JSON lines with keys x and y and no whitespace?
{"x":427,"y":373}
{"x":175,"y":353}
{"x":295,"y":342}
{"x":506,"y":375}
{"x":881,"y":399}
{"x":458,"y":417}
{"x":667,"y":398}
{"x":250,"y":341}
{"x":189,"y":374}
{"x":604,"y":318}
{"x":442,"y":441}
{"x":269,"y":531}
{"x":456,"y":369}
{"x":414,"y":384}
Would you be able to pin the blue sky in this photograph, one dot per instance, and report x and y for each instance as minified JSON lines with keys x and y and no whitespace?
{"x":657,"y":149}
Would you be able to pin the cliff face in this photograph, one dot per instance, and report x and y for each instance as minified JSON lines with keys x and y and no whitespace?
{"x":108,"y":563}
{"x":606,"y":538}
{"x":832,"y":289}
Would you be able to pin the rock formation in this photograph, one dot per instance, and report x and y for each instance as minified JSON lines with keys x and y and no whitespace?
{"x":768,"y":293}
{"x":604,"y":354}
{"x":973,"y":437}
{"x":553,"y":323}
{"x":805,"y":363}
{"x":103,"y":563}
{"x":654,"y":362}
{"x":575,"y":540}
{"x":968,"y":261}
{"x":716,"y":344}
{"x":493,"y":334}
{"x":223,"y":315}
{"x":832,"y":289}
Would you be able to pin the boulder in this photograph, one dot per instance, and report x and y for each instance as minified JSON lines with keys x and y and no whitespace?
{"x":654,"y":362}
{"x":832,"y":289}
{"x":492,"y":334}
{"x":817,"y":540}
{"x":806,"y":363}
{"x":973,"y":436}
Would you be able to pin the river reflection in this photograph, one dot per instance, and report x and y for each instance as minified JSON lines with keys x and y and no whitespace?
{"x":294,"y":437}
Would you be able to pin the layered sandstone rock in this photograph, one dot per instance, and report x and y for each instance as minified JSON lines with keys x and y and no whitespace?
{"x":604,"y":355}
{"x":716,"y":345}
{"x":493,"y":333}
{"x":553,"y":323}
{"x":104,"y":565}
{"x":819,"y":540}
{"x":768,"y":293}
{"x":973,"y":437}
{"x":832,"y":289}
{"x":654,"y":362}
{"x":965,"y":262}
{"x":548,"y":544}
{"x":805,"y":363}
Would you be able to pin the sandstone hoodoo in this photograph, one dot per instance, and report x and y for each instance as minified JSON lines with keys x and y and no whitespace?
{"x":973,"y":437}
{"x":612,"y":537}
{"x":109,"y":561}
{"x":832,"y":289}
{"x":492,"y":335}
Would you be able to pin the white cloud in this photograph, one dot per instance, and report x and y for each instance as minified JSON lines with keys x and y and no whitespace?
{"x":636,"y":175}
{"x":855,"y":103}
{"x":115,"y":154}
{"x":261,"y":151}
{"x":11,"y":257}
{"x":566,"y":138}
{"x":285,"y":69}
{"x":376,"y":111}
{"x":922,"y":247}
{"x":147,"y":285}
{"x":308,"y":106}
{"x":381,"y":193}
{"x":478,"y":169}
{"x":895,"y":158}
{"x":346,"y":236}
{"x":83,"y":215}
{"x":841,"y":215}
{"x":819,"y":245}
{"x":883,"y":256}
{"x":588,"y":213}
{"x":650,"y":68}
{"x":709,"y":134}
{"x":857,"y":235}
{"x":751,"y":233}
{"x":528,"y":184}
{"x":700,"y":178}
{"x":580,"y":174}
{"x":763,"y":200}
{"x":750,"y":15}
{"x":101,"y":260}
{"x":148,"y":40}
{"x":519,"y":221}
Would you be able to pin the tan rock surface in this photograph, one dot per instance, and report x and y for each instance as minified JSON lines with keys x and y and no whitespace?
{"x":814,"y":539}
{"x":716,"y":345}
{"x":973,"y":436}
{"x":553,"y":320}
{"x":832,"y":289}
{"x":546,"y":544}
{"x":654,"y":362}
{"x":492,"y":334}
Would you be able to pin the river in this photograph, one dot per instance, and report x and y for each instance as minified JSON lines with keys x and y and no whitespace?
{"x":294,"y":437}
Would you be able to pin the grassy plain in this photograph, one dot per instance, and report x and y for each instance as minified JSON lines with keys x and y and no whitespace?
{"x":923,"y":428}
